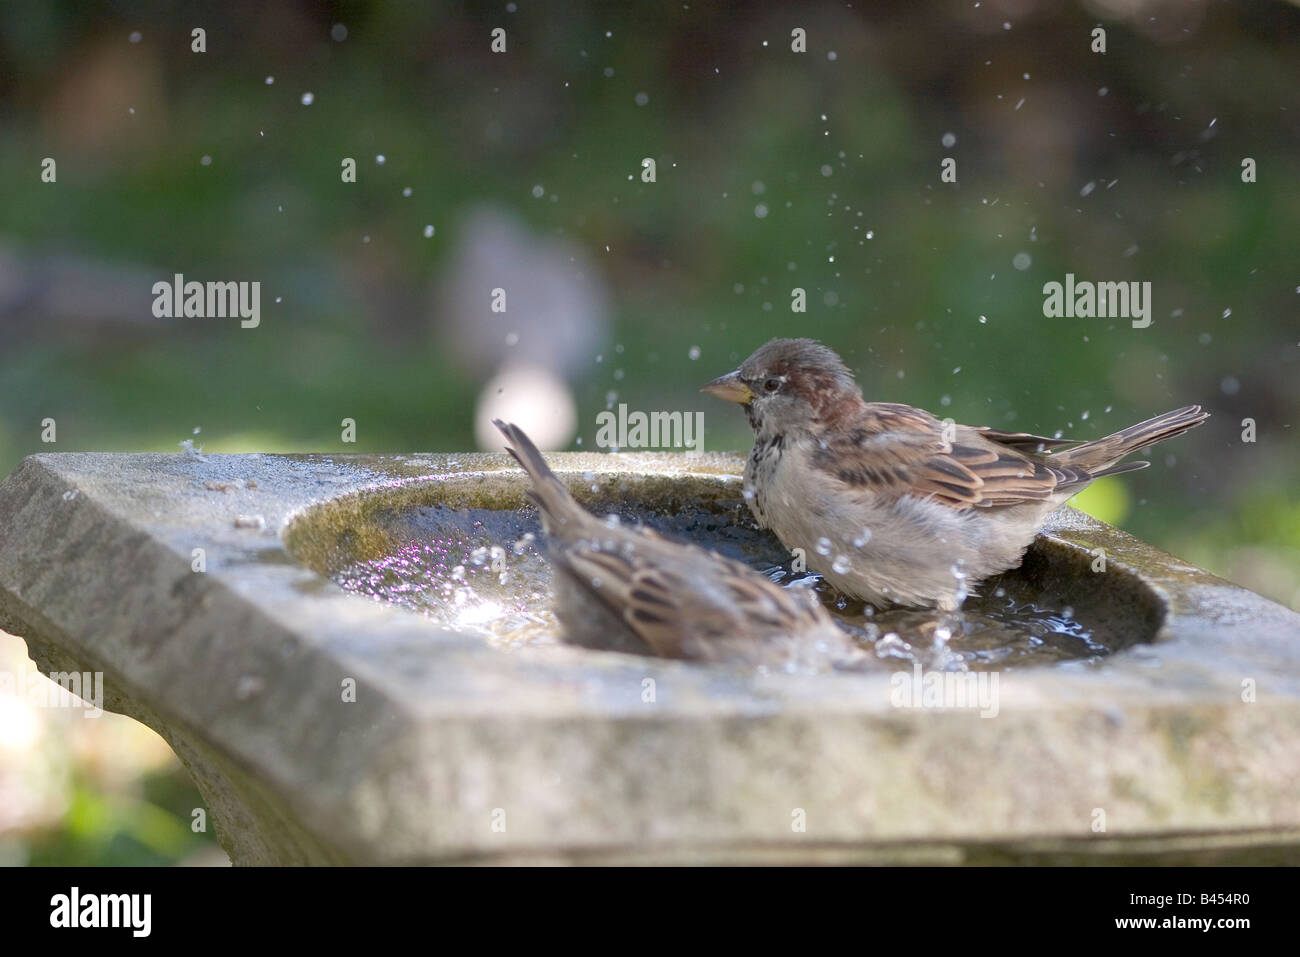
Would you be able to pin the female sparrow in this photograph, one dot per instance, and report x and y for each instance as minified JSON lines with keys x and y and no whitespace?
{"x":891,"y":504}
{"x":628,"y":589}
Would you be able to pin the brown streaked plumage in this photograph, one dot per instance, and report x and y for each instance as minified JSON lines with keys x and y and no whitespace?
{"x":908,"y":509}
{"x":629,"y":589}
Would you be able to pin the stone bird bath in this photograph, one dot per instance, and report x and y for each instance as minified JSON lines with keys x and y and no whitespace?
{"x":326,"y":727}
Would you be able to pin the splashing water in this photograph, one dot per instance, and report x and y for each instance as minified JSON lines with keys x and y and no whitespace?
{"x":485,"y":572}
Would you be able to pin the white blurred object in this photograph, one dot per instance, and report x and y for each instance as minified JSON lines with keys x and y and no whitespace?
{"x":19,"y":728}
{"x":556,"y":316}
{"x":535,"y":399}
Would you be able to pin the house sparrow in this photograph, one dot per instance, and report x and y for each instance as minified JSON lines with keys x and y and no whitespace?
{"x":891,"y":504}
{"x":629,"y":589}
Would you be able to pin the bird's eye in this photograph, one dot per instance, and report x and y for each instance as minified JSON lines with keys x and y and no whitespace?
{"x":772,"y":384}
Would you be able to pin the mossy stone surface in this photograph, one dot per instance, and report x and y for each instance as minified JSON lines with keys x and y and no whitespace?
{"x":247,"y":667}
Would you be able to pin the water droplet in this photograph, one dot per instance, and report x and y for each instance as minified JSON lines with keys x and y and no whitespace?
{"x":248,"y":686}
{"x":693,"y":353}
{"x":949,"y":140}
{"x":890,"y":645}
{"x":760,"y":211}
{"x":428,"y":232}
{"x":642,"y":99}
{"x":539,"y":191}
{"x":1022,"y":261}
{"x":841,"y":565}
{"x":308,"y":99}
{"x":823,"y":546}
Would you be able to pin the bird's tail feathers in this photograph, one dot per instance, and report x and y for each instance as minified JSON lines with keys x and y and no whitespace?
{"x":548,"y":492}
{"x":1100,"y":455}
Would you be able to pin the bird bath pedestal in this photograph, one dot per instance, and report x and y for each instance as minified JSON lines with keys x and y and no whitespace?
{"x":322,"y":727}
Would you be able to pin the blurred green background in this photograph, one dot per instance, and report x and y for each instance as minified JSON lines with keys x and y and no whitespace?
{"x":775,"y":169}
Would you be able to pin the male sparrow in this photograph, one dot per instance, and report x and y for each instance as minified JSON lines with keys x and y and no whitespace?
{"x":891,"y":504}
{"x":629,"y":589}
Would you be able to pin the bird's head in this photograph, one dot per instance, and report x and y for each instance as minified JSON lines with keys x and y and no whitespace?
{"x":790,"y":385}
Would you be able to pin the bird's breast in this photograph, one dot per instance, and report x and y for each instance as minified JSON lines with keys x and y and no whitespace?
{"x":760,"y":473}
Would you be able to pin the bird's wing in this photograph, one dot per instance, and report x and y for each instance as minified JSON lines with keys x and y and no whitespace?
{"x":900,"y":450}
{"x":1023,"y":441}
{"x":679,"y":599}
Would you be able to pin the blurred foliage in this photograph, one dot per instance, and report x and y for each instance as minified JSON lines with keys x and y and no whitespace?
{"x":1122,"y":166}
{"x":78,"y":788}
{"x":150,"y":830}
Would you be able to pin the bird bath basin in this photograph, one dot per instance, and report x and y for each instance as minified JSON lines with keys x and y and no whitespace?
{"x":468,"y":552}
{"x":212,"y":592}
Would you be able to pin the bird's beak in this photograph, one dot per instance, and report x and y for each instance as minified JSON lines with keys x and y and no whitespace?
{"x":729,"y":387}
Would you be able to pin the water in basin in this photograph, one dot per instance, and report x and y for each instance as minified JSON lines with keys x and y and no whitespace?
{"x":484,"y":570}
